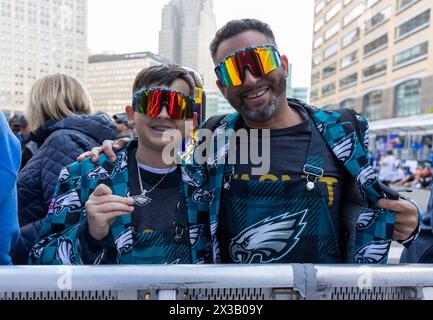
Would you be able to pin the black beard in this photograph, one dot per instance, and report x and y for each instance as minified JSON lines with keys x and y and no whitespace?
{"x":279,"y":88}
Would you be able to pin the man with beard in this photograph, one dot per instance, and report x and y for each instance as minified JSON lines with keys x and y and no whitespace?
{"x":296,"y":213}
{"x":308,"y":207}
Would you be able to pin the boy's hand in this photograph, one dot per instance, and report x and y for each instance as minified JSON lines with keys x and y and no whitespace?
{"x":108,"y":147}
{"x":103,"y":208}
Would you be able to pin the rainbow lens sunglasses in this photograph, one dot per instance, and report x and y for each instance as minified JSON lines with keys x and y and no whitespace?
{"x":260,"y":60}
{"x":150,"y":102}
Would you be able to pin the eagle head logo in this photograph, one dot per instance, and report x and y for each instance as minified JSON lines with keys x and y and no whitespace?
{"x":268,"y":240}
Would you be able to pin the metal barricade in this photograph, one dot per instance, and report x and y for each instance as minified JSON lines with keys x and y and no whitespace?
{"x":217,"y":282}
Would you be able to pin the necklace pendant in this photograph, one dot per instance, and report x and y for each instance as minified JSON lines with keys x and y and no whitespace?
{"x":141,"y":200}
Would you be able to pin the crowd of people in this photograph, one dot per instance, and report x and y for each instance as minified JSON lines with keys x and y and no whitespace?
{"x":410,"y":174}
{"x":123,"y":203}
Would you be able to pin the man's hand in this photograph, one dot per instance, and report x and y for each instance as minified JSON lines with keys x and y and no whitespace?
{"x":108,"y":147}
{"x":103,"y":208}
{"x":406,"y":217}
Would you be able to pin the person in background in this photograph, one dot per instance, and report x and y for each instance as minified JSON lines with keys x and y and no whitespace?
{"x":124,"y":129}
{"x":59,"y":115}
{"x":10,"y":156}
{"x":387,"y":168}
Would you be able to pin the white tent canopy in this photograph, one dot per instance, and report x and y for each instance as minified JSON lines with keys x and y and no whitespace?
{"x":421,"y":124}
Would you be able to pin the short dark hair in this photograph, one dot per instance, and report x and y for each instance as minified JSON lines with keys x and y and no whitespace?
{"x":235,"y":27}
{"x":163,"y":74}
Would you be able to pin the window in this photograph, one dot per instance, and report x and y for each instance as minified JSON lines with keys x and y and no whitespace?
{"x":329,"y":70}
{"x":315,"y":77}
{"x":408,"y":98}
{"x":317,"y":42}
{"x":351,"y":37}
{"x":332,"y":31}
{"x":314,"y":95}
{"x":375,"y":70}
{"x":350,"y":59}
{"x":371,"y":3}
{"x":318,"y":25}
{"x":404,"y":4}
{"x":349,"y":80}
{"x":317,"y":60}
{"x":328,"y":89}
{"x":348,"y":104}
{"x":319,"y":6}
{"x":333,"y":11}
{"x":376,"y":45}
{"x":411,"y":55}
{"x":372,"y":105}
{"x":331,"y":50}
{"x":413,"y":25}
{"x":353,"y":14}
{"x":378,"y":19}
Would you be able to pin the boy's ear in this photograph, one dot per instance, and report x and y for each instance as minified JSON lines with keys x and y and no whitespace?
{"x":130,"y":112}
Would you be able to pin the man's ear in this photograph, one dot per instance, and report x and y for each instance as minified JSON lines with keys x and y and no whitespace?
{"x":221,"y":87}
{"x":195,"y":120}
{"x":285,"y":65}
{"x":130,"y":112}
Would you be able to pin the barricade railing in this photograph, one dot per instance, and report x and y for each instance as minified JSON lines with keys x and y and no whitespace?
{"x":217,"y":282}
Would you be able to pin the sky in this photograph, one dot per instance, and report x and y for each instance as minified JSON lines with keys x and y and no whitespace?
{"x":122,"y":26}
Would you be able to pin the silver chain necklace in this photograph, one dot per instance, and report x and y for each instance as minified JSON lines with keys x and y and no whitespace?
{"x":142,"y":199}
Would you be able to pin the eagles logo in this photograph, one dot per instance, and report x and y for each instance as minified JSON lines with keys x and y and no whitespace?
{"x":124,"y":242}
{"x":366,"y":176}
{"x":66,"y":253}
{"x":374,"y":252}
{"x":99,"y":173}
{"x":268,"y":240}
{"x":69,"y":200}
{"x":367,"y":217}
{"x":122,"y":161}
{"x":203,"y":196}
{"x":64,"y":176}
{"x":193,"y":177}
{"x":344,"y":149}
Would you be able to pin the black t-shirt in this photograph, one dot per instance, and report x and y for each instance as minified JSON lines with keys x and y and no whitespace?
{"x":159,"y":214}
{"x":288,"y":154}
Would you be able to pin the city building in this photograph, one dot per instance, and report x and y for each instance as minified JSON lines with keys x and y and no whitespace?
{"x":111,"y":77}
{"x":375,"y":56}
{"x":187,"y":29}
{"x":300,"y":93}
{"x":39,"y":37}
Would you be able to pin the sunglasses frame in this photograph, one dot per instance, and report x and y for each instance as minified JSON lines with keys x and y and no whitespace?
{"x":219,"y":65}
{"x":137,"y":95}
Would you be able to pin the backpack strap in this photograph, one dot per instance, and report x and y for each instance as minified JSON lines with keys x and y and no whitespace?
{"x":213,"y":122}
{"x":349,"y":115}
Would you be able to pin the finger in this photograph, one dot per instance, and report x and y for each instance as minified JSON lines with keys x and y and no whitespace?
{"x":394,"y":205}
{"x":97,"y":200}
{"x":119,"y":144}
{"x":113,"y":215}
{"x":399,"y":236}
{"x":101,"y":190}
{"x":107,"y":148}
{"x":95,"y":154}
{"x":83,"y":156}
{"x":108,"y":208}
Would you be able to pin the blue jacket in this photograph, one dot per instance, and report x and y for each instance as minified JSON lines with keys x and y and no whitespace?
{"x":10,"y":153}
{"x":60,"y":143}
